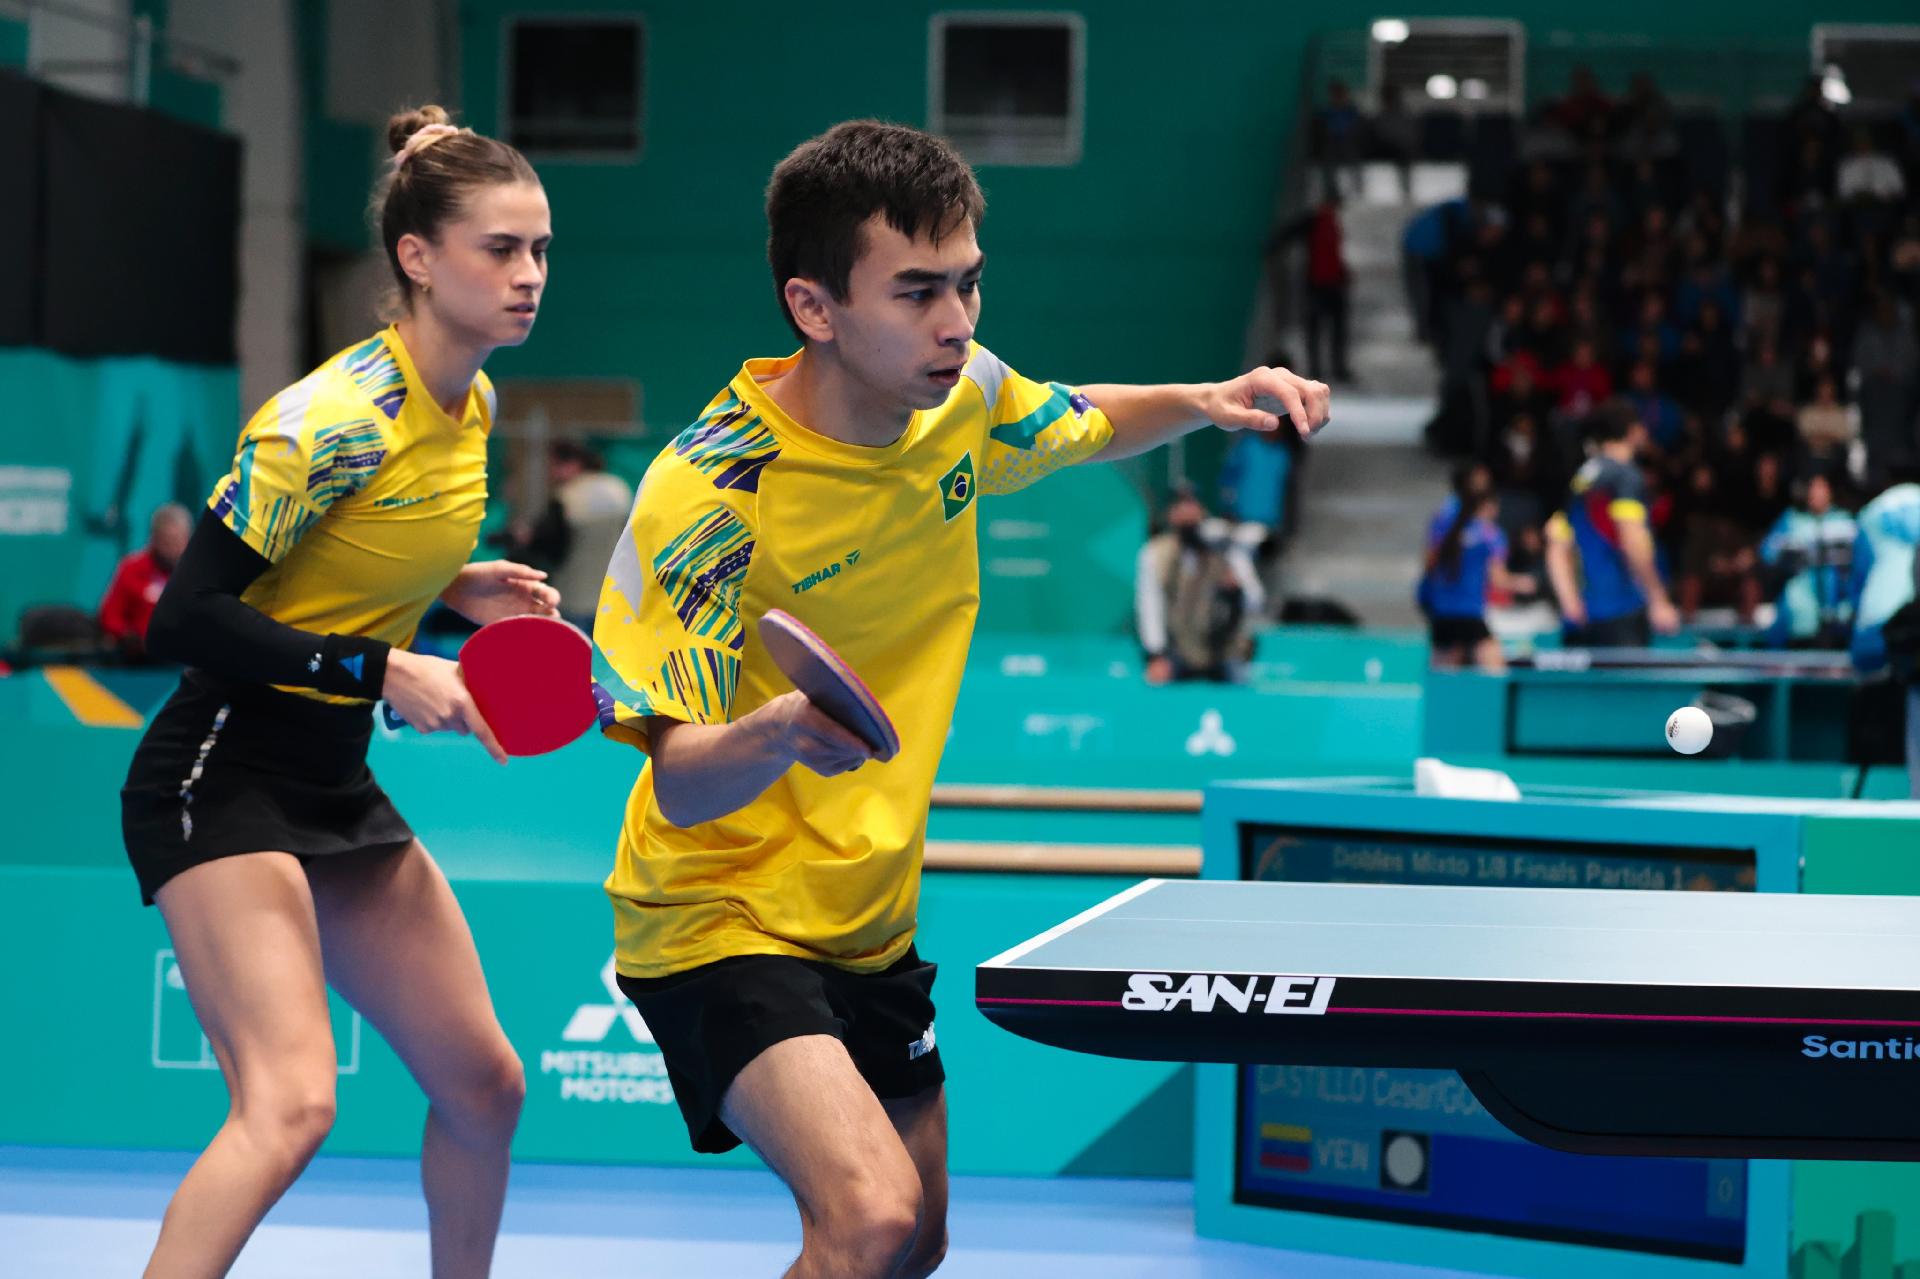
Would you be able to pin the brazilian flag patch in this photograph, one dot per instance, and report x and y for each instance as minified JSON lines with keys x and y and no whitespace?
{"x":956,"y":487}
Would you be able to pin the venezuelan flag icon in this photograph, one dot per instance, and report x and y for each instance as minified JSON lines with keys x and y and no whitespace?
{"x":1286,"y":1147}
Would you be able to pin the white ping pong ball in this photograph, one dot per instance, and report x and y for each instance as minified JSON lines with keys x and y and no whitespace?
{"x":1689,"y":730}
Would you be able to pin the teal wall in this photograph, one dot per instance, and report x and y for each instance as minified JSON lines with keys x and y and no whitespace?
{"x":13,"y":42}
{"x":1138,"y":263}
{"x":1135,"y":265}
{"x":339,"y":154}
{"x":111,"y":439}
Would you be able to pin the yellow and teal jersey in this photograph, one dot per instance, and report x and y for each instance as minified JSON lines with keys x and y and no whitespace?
{"x":362,"y":494}
{"x":873,"y":548}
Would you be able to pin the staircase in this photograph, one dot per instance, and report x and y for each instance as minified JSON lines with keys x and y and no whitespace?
{"x":1370,"y":487}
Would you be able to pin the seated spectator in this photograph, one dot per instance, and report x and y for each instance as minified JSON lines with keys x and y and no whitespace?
{"x":1466,"y":558}
{"x":1581,"y":384}
{"x":1596,"y":197}
{"x":1810,"y":114}
{"x":1807,"y":178}
{"x":1600,"y":552}
{"x":1718,"y":565}
{"x":1537,"y":194}
{"x":1585,"y":322}
{"x":1763,"y":307}
{"x":1509,"y":330}
{"x":1537,"y":240}
{"x":1834,"y":270}
{"x":1870,"y":185}
{"x":1651,"y":258}
{"x":1909,"y":122}
{"x":1665,"y":421}
{"x":1586,"y":112}
{"x":1825,"y":425}
{"x":1544,"y":335}
{"x":1766,"y":380}
{"x":1809,"y":554}
{"x":1646,"y":119}
{"x":1527,"y":471}
{"x":1705,"y":216}
{"x":1886,"y":359}
{"x":1517,"y":392}
{"x":1766,"y":404}
{"x":127,"y":606}
{"x":1707,"y":376}
{"x":1706,"y":280}
{"x":1526,"y":565}
{"x":1652,"y":323}
{"x":1594,"y":254}
{"x":1195,"y":597}
{"x":1771,"y":494}
{"x":1903,"y":261}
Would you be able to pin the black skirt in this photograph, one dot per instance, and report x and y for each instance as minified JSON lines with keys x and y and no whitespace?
{"x":228,"y":768}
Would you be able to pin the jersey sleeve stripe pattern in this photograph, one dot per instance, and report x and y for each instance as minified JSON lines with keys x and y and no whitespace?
{"x":374,"y":370}
{"x":729,"y":446}
{"x":702,"y":571}
{"x":1024,"y":432}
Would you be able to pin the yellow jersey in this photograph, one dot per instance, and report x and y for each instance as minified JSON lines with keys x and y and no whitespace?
{"x":360,"y":491}
{"x":873,"y":548}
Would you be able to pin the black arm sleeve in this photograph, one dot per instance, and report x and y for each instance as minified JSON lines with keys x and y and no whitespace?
{"x":201,"y":621}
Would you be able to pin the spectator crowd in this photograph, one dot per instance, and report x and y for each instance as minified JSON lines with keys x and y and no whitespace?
{"x":1754,"y":364}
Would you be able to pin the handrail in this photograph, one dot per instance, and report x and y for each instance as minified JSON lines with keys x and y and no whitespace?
{"x":1063,"y":799}
{"x":1161,"y":861}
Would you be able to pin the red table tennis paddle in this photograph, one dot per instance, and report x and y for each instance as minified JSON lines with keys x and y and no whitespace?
{"x":532,"y":680}
{"x":828,"y":682}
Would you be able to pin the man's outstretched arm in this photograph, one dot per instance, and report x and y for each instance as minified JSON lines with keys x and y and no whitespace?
{"x":1145,"y":417}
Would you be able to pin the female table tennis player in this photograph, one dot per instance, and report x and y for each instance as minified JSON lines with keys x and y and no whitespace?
{"x":250,"y":816}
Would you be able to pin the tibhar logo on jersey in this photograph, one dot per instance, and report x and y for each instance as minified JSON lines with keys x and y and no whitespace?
{"x":820,"y":575}
{"x":1200,"y":992}
{"x":956,"y":487}
{"x":599,"y":1073}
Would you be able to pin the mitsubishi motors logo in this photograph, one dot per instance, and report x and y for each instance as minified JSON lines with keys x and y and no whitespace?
{"x":591,"y":1023}
{"x":631,"y":1069}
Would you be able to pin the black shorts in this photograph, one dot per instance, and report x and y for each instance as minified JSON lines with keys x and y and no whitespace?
{"x":1630,"y":630}
{"x":711,"y":1021}
{"x":1457,"y":632}
{"x":229,"y":768}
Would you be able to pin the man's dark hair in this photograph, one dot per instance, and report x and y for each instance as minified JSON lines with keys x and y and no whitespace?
{"x":822,"y":194}
{"x":1612,"y":422}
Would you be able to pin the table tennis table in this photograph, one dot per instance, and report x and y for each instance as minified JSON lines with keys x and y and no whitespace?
{"x":1818,"y":663}
{"x":1613,"y":702}
{"x":1758,"y":1025}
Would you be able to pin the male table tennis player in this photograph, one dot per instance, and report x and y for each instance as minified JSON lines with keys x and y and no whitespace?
{"x":765,"y":890}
